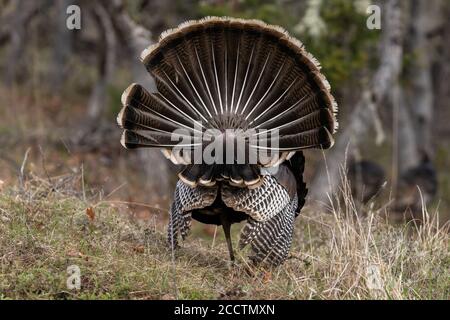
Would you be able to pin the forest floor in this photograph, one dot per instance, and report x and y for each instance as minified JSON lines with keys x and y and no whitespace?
{"x":46,"y":227}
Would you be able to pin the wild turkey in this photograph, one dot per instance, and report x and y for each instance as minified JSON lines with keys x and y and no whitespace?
{"x":366,"y":179}
{"x":253,"y":78}
{"x":422,"y":177}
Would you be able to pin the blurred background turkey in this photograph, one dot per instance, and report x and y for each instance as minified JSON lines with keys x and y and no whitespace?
{"x":366,"y":180}
{"x":60,"y":93}
{"x":417,"y":187}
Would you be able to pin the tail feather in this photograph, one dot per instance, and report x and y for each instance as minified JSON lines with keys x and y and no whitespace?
{"x":270,"y":93}
{"x":190,"y":174}
{"x":135,"y":96}
{"x":315,"y":138}
{"x":135,"y":119}
{"x":294,"y":108}
{"x":307,"y":122}
{"x":175,"y":97}
{"x":208,"y":176}
{"x":144,"y":138}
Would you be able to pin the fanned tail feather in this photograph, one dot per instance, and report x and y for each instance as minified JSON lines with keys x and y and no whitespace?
{"x":226,"y":73}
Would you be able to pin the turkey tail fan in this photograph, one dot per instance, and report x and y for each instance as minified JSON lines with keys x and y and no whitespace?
{"x":226,"y":73}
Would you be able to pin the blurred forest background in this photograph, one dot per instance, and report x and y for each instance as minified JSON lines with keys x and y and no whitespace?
{"x":60,"y":93}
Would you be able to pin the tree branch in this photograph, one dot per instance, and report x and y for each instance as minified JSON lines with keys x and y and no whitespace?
{"x":362,"y":117}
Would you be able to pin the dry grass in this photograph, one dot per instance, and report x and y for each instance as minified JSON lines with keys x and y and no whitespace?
{"x":45,"y":228}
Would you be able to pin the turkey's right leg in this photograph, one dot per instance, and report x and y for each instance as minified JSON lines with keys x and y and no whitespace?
{"x":226,"y":224}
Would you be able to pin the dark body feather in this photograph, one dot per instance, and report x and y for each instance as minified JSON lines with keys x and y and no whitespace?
{"x":366,"y":178}
{"x":417,"y":187}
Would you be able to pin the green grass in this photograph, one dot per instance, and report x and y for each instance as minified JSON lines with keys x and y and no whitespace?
{"x":44,"y":229}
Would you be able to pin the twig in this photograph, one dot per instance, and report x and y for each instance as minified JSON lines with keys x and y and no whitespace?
{"x":44,"y":167}
{"x":129,"y":203}
{"x":22,"y":169}
{"x":214,"y":238}
{"x":82,"y":183}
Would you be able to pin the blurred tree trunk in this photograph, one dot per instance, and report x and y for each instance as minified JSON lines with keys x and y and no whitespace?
{"x":62,"y":46}
{"x":419,"y":85}
{"x":415,"y":98}
{"x":355,"y":128}
{"x":413,"y":121}
{"x":136,"y":38}
{"x":17,"y":32}
{"x":441,"y":72}
{"x":5,"y":24}
{"x":106,"y":64}
{"x":405,"y":153}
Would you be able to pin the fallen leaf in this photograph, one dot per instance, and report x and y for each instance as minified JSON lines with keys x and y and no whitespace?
{"x":90,"y":213}
{"x":74,"y":254}
{"x":139,"y":249}
{"x":267,"y":277}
